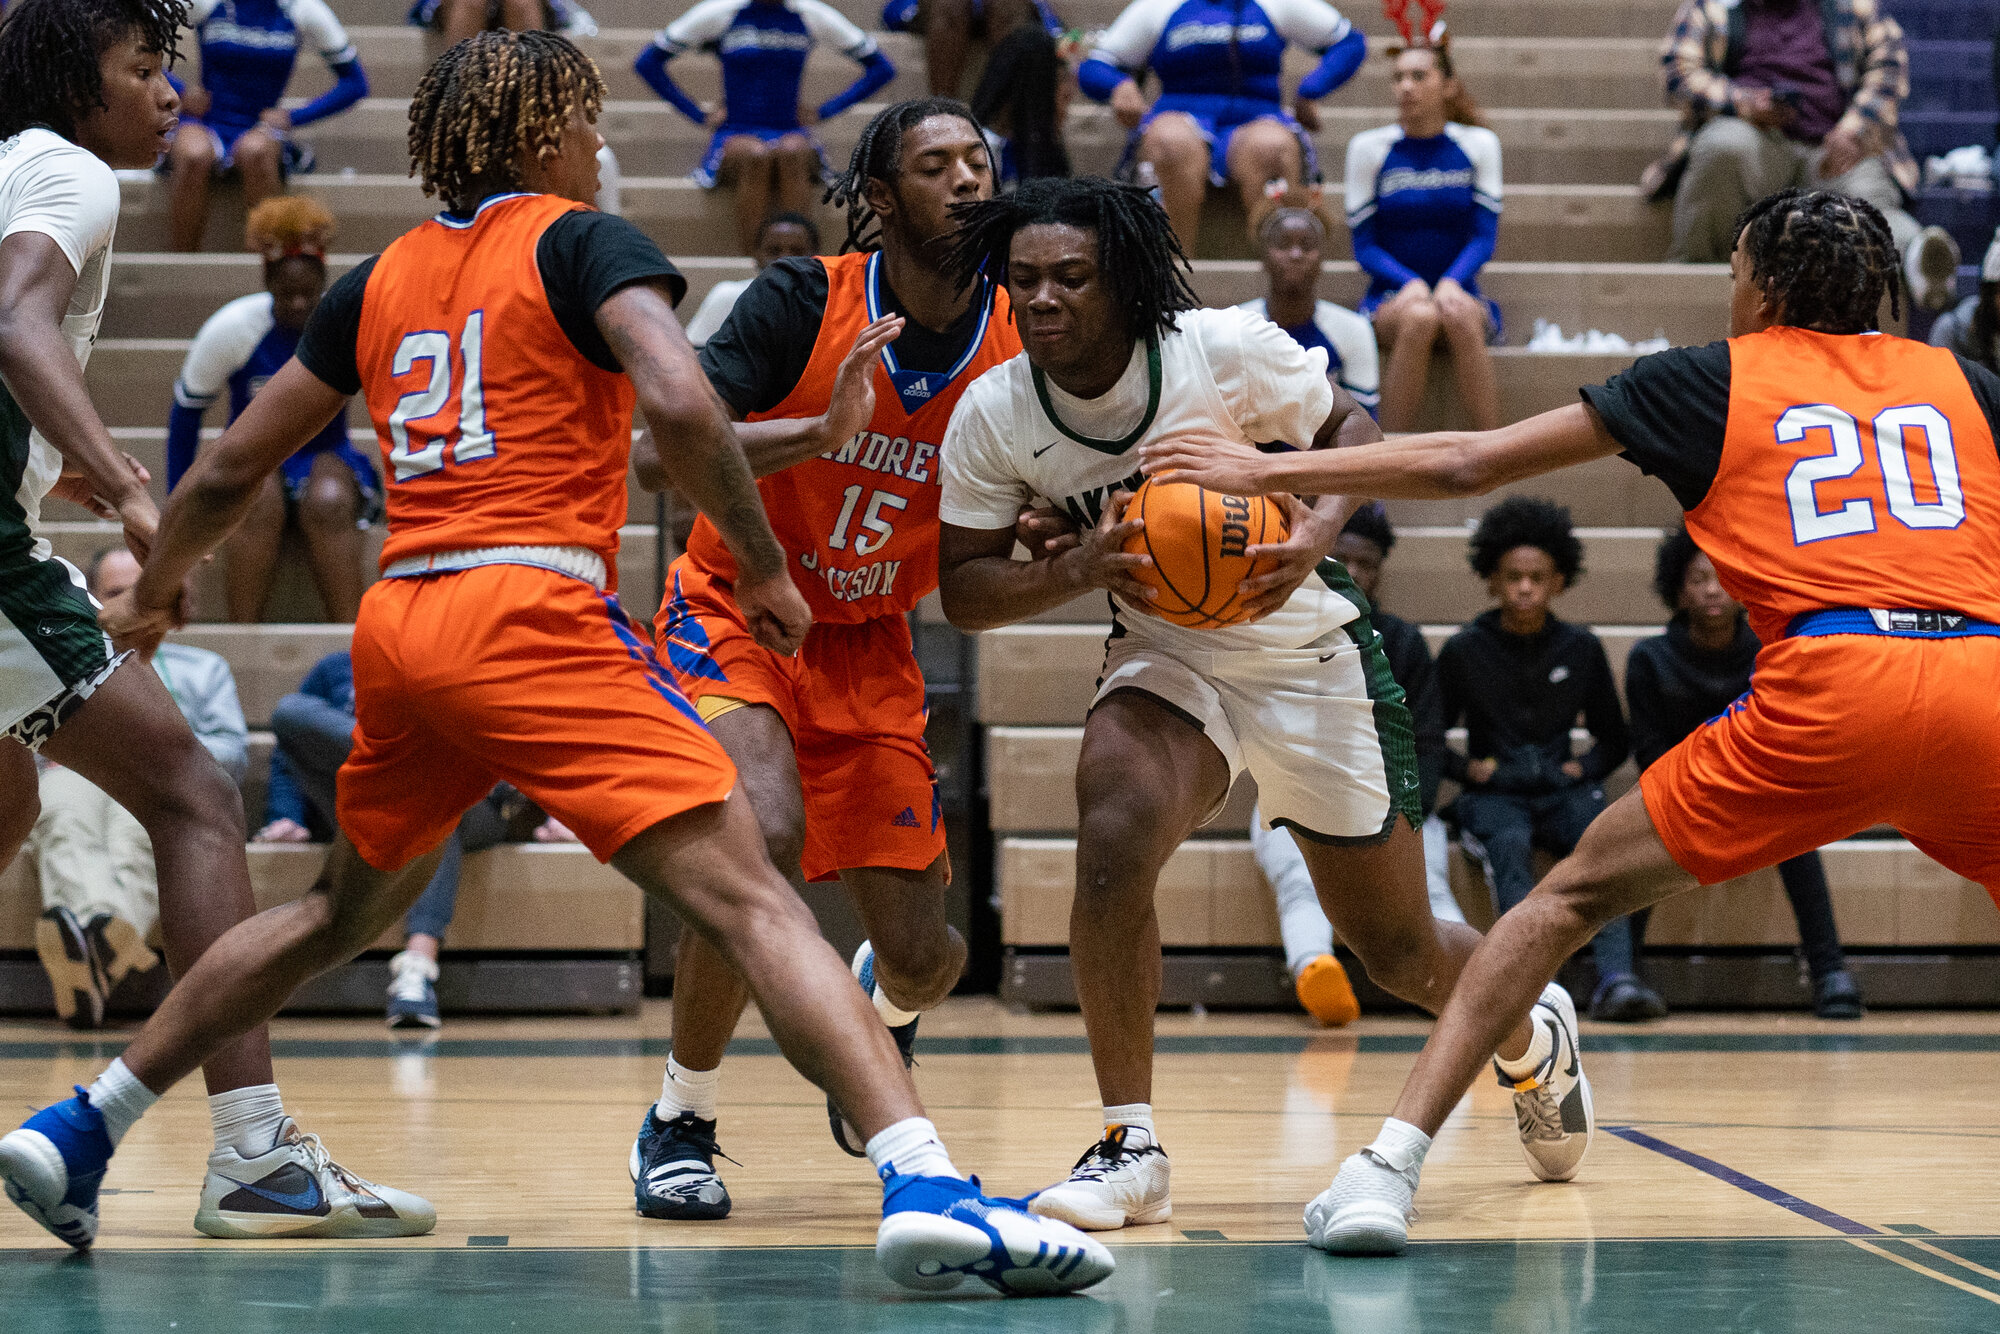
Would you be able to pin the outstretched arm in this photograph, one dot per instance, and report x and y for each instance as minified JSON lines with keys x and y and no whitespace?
{"x":1415,"y":467}
{"x":704,"y":461}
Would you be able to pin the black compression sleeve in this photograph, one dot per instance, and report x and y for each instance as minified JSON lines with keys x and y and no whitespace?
{"x":762,"y":350}
{"x":327,"y":347}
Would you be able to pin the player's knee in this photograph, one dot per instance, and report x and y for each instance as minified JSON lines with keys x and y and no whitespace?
{"x":919,"y":968}
{"x":794,"y":152}
{"x":784,"y":842}
{"x":191,"y":792}
{"x":1116,"y":862}
{"x":17,"y":821}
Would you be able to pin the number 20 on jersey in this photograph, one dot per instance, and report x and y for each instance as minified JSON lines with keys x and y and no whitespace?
{"x":1810,"y":523}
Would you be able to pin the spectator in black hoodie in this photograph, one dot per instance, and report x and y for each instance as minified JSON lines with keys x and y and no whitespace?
{"x":1690,"y":675}
{"x":1519,"y":677}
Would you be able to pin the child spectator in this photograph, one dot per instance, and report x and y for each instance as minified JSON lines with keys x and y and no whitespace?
{"x":1423,"y":205}
{"x":1518,"y":678}
{"x":100,"y":894}
{"x":1972,"y":328}
{"x":1317,"y":976}
{"x":1780,"y":93}
{"x":1679,"y":681}
{"x":762,"y":145}
{"x":1220,"y":116}
{"x":330,"y":489}
{"x":233,"y":121}
{"x":782,"y":236}
{"x":315,"y":731}
{"x":1294,"y":241}
{"x":1023,"y":100}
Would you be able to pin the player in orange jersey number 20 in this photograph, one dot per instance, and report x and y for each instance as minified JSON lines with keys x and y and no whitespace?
{"x":1846,"y":487}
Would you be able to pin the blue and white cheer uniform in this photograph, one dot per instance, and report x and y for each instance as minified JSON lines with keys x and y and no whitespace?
{"x":1423,"y":208}
{"x":248,"y":51}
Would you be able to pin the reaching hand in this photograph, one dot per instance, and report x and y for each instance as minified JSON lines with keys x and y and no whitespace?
{"x":1099,"y":558}
{"x":142,"y":523}
{"x":1044,"y":532}
{"x":75,"y":488}
{"x":136,"y":628}
{"x":1213,"y":461}
{"x":1297,"y":557}
{"x":1128,"y":104}
{"x":1452,"y":299}
{"x":776,"y":611}
{"x":853,"y":401}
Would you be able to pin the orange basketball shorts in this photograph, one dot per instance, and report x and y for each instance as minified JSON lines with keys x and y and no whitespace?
{"x":854,"y":701}
{"x":1839,"y":733}
{"x":508,"y":673}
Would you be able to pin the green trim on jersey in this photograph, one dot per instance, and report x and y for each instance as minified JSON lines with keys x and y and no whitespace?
{"x":1395,"y":729}
{"x":17,"y":540}
{"x":1113,"y":447}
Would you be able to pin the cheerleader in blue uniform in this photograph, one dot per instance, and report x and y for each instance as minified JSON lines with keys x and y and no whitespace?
{"x":233,"y":120}
{"x":329,"y":488}
{"x":1220,"y":116}
{"x":762,"y":144}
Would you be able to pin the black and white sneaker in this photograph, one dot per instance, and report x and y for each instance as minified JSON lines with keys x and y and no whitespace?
{"x":673,"y":1168}
{"x":76,"y":975}
{"x":1552,"y":1107}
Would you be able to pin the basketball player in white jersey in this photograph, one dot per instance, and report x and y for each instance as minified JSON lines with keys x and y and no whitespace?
{"x":1300,"y":695}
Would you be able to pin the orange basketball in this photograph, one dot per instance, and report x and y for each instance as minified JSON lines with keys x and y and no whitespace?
{"x":1196,"y":538}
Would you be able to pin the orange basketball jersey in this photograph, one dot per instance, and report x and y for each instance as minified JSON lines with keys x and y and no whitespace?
{"x":861,"y":521}
{"x":495,"y":430}
{"x":1856,"y":471}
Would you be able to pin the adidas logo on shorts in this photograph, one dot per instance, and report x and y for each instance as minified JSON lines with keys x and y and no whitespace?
{"x":907,"y":820}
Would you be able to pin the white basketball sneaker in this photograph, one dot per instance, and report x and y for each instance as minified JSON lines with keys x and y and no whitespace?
{"x":295,"y":1189}
{"x":1552,"y":1106}
{"x":1121,"y":1181}
{"x":1368,"y":1208}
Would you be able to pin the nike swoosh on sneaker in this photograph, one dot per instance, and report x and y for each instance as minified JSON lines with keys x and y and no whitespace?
{"x":304,"y":1201}
{"x":1555,"y":1032}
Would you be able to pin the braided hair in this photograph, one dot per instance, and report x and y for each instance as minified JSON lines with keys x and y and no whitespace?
{"x":1825,"y":259}
{"x":490,"y":99}
{"x":878,"y":156}
{"x":1138,"y":255}
{"x":1521,"y":521}
{"x":50,"y":49}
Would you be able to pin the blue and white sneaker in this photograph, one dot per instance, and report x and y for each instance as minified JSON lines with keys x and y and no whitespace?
{"x":295,"y":1189}
{"x":938,"y":1231}
{"x":673,"y":1168}
{"x":844,"y":1133}
{"x":54,"y":1164}
{"x":413,"y":1001}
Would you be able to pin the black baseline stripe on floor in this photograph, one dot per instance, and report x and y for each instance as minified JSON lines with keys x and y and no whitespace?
{"x":1742,"y":1181}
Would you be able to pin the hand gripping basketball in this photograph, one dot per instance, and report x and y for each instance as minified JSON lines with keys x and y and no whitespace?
{"x":1218,"y":559}
{"x":1103,"y":558}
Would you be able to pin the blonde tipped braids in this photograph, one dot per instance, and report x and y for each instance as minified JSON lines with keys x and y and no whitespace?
{"x":489,"y":101}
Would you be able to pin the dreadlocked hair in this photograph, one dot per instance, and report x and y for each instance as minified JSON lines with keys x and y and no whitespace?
{"x":1138,"y":255}
{"x":490,"y":99}
{"x":1825,"y":259}
{"x":49,"y":53}
{"x":288,"y":227}
{"x":878,"y":156}
{"x":1521,"y":521}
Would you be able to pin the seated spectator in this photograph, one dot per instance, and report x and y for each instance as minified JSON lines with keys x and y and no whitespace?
{"x":329,"y":491}
{"x":1220,"y":116}
{"x":1023,"y":100}
{"x":1294,"y":241}
{"x":1677,"y":683}
{"x":315,"y":731}
{"x":781,"y":236}
{"x":233,"y":122}
{"x":100,"y":896}
{"x":949,"y":27}
{"x":1317,"y":976}
{"x":762,"y":145}
{"x":1518,"y":678}
{"x":456,"y":20}
{"x":1972,"y":328}
{"x":1778,"y":93}
{"x":1423,"y":205}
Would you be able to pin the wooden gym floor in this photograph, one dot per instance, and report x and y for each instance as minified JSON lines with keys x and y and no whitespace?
{"x":1751,"y":1173}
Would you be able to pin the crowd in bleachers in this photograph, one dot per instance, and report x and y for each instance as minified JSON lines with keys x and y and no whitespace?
{"x":1770,"y":93}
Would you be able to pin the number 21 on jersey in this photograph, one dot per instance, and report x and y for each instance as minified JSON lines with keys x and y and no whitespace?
{"x":473,"y":441}
{"x":1892,"y":448}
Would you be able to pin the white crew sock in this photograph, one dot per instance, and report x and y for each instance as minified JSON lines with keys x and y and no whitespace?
{"x":1401,"y":1145}
{"x":120,"y":1098}
{"x":893,"y":1016}
{"x":1133,"y":1116}
{"x":1524,"y":1066}
{"x":911,"y":1147}
{"x":684,"y":1090}
{"x":247,"y":1119}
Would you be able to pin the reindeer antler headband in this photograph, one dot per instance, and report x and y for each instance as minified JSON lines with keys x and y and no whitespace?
{"x":1398,"y":12}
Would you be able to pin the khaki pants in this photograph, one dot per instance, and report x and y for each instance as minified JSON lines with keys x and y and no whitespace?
{"x":1732,"y":163}
{"x":93,"y":857}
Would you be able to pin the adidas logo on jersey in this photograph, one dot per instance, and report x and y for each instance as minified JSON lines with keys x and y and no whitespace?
{"x":907,"y":820}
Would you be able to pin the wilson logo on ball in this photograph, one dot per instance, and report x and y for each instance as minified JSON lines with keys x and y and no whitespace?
{"x":1198,"y":539}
